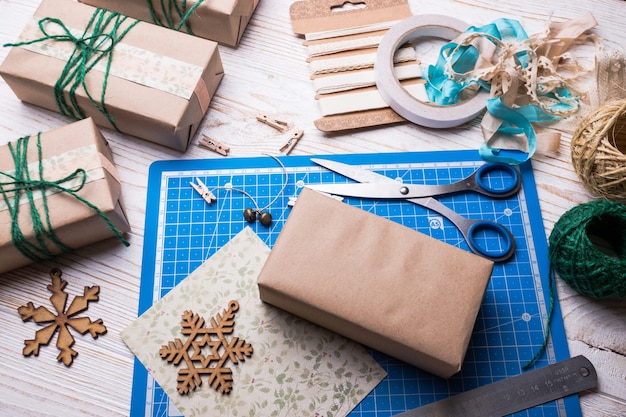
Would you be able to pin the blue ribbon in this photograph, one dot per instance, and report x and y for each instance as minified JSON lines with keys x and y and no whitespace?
{"x":444,"y":89}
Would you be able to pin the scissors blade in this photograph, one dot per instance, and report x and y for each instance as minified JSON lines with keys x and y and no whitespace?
{"x":378,"y":190}
{"x":372,"y":185}
{"x":353,"y":172}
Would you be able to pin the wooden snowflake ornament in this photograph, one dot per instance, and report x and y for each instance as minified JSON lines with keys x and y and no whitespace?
{"x":62,"y":320}
{"x":210,"y":351}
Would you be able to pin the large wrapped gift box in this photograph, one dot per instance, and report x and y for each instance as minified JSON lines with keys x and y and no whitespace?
{"x":377,"y":282}
{"x":222,"y":21}
{"x":64,"y":216}
{"x":157,"y":83}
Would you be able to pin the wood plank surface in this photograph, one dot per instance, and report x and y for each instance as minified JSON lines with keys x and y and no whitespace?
{"x":267,"y":73}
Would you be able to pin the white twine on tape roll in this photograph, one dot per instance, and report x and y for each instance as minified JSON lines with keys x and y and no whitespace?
{"x":401,"y":101}
{"x":364,"y":78}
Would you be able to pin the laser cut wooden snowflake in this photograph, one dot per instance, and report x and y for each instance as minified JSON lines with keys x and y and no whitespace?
{"x":62,"y":320}
{"x":218,"y":351}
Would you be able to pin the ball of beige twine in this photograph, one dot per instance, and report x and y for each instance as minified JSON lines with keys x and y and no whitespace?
{"x":598,"y":151}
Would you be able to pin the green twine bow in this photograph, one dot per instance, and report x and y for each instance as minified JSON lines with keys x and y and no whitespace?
{"x":170,"y":11}
{"x":101,"y":35}
{"x":20,"y":183}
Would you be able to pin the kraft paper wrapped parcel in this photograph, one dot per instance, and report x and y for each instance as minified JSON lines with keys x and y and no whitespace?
{"x":143,"y":80}
{"x":71,"y":155}
{"x":222,"y":21}
{"x":375,"y":281}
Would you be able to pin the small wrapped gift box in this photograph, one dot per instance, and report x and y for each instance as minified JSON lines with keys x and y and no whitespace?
{"x":135,"y":77}
{"x":59,"y":191}
{"x":221,"y":21}
{"x":377,"y":282}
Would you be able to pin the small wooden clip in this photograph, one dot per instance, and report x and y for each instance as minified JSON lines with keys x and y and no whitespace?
{"x":276,"y":124}
{"x":204,"y":192}
{"x":293,"y":140}
{"x":214,"y":145}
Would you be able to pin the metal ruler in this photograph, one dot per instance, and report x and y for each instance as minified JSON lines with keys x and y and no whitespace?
{"x":517,"y":393}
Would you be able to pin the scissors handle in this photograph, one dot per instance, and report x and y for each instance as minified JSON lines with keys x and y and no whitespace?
{"x":504,"y":252}
{"x":485,"y":187}
{"x":470,"y":229}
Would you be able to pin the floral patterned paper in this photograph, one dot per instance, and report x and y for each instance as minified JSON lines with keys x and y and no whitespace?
{"x":296,"y":369}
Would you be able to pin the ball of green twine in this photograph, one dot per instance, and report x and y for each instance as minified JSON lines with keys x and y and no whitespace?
{"x":587,"y":249}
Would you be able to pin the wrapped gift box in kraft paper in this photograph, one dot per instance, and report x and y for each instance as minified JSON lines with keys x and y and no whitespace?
{"x":377,"y":282}
{"x":71,"y":156}
{"x":221,"y":21}
{"x":142,"y":79}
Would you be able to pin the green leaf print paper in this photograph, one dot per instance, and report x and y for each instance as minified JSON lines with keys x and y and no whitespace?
{"x":296,"y":368}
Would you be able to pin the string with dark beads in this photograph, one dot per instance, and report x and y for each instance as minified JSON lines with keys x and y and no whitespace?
{"x":250,"y":214}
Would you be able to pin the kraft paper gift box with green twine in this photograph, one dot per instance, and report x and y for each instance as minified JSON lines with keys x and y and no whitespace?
{"x":135,"y":77}
{"x":222,"y":21}
{"x":59,"y":190}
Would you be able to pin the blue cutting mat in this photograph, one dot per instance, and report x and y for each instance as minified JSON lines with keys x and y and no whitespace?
{"x":182,"y":231}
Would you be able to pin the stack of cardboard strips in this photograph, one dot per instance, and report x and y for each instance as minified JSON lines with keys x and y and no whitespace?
{"x":341,"y":41}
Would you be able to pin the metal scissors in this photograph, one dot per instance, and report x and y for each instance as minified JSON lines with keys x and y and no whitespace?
{"x":373,"y":185}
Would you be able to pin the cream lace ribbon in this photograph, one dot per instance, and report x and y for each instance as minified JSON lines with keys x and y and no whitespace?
{"x":329,"y":48}
{"x":610,"y":76}
{"x":550,"y":67}
{"x":354,"y":62}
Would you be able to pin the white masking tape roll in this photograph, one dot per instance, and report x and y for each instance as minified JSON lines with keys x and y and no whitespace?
{"x":403,"y":103}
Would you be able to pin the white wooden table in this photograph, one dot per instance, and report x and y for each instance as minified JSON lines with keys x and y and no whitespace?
{"x":266,"y":73}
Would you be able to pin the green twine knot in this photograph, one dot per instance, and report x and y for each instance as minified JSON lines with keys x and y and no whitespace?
{"x":87,"y":45}
{"x":170,"y":11}
{"x":21,"y":184}
{"x":102,"y":33}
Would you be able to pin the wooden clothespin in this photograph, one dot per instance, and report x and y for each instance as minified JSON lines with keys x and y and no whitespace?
{"x":293,"y":140}
{"x":276,"y":124}
{"x":214,"y":145}
{"x":204,"y":192}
